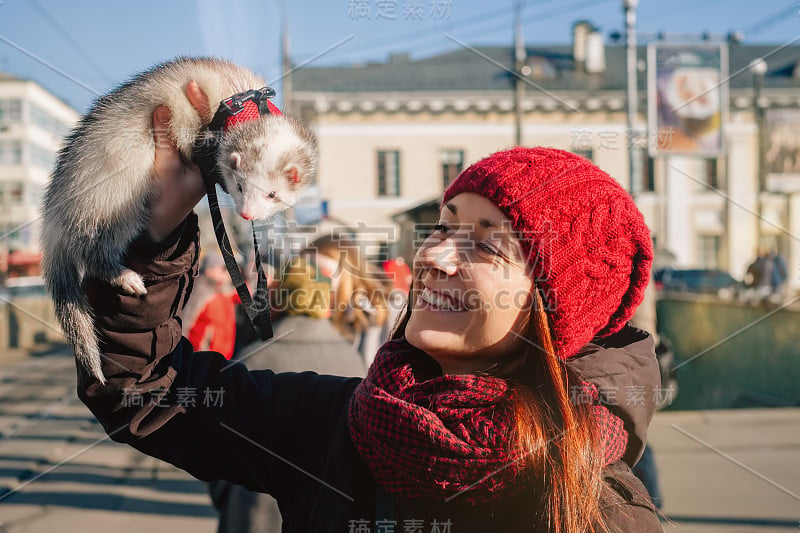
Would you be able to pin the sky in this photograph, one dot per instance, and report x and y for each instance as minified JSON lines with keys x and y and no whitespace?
{"x":79,"y":49}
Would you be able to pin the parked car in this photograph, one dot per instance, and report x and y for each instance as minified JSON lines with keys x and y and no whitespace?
{"x":697,"y":280}
{"x":23,"y":287}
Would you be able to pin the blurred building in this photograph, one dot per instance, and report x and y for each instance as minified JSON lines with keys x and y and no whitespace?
{"x":33,"y":123}
{"x":394,"y":134}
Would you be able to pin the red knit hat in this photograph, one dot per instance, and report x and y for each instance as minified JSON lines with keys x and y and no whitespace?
{"x":589,"y":246}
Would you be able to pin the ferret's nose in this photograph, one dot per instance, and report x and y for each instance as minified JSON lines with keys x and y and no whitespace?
{"x":247,"y":215}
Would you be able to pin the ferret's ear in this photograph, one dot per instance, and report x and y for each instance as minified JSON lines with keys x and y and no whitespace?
{"x":292,"y":174}
{"x":236,"y":161}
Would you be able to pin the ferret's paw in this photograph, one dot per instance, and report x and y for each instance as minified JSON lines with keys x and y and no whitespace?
{"x":130,"y":282}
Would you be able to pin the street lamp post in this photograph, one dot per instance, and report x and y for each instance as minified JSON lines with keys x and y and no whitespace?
{"x":286,"y":63}
{"x":759,"y":68}
{"x":634,"y":162}
{"x":519,"y":70}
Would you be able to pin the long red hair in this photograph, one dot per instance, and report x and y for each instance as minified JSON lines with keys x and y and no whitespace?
{"x":558,"y":439}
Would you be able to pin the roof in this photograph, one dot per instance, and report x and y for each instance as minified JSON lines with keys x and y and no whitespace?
{"x":417,"y":211}
{"x":487,"y":68}
{"x":5,"y":76}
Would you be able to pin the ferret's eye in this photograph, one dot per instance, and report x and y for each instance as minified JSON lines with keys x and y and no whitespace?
{"x":271,"y":194}
{"x":239,"y":186}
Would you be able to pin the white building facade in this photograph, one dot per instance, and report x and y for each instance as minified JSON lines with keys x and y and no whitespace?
{"x":393,"y":134}
{"x":33,"y":123}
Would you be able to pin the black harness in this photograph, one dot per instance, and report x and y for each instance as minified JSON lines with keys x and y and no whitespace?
{"x":204,"y":154}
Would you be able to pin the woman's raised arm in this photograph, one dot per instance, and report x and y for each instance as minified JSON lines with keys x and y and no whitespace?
{"x":197,"y":410}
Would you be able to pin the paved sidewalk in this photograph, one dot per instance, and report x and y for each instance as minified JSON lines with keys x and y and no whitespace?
{"x":731,"y":471}
{"x":59,"y":472}
{"x":68,"y":477}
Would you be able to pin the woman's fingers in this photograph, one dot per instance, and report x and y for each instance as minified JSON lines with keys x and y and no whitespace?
{"x":167,"y":161}
{"x":199,"y":100}
{"x":178,"y":187}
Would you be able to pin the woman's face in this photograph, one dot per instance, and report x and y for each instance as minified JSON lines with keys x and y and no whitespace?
{"x":472,"y":290}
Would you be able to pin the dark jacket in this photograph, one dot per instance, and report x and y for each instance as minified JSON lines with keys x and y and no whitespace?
{"x":300,"y":343}
{"x":287,"y":433}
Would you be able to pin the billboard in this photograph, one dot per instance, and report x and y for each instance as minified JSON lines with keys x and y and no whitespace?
{"x":687,"y":95}
{"x":782,"y":150}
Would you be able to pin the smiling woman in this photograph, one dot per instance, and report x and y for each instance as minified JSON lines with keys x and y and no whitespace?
{"x":513,"y":395}
{"x":535,"y":252}
{"x":469,"y":275}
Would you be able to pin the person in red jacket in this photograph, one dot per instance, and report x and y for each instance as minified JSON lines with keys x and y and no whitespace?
{"x":210,"y":313}
{"x":398,"y":273}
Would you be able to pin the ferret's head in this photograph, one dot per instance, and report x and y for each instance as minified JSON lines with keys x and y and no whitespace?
{"x":266,"y":163}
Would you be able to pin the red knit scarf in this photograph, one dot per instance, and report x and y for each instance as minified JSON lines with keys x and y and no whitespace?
{"x":428,"y":435}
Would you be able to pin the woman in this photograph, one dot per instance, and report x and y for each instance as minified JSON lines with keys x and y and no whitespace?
{"x":519,"y":304}
{"x":359,"y":301}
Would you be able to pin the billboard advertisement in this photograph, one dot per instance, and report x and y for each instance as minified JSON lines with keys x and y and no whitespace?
{"x":782,"y":150}
{"x":687,"y":94}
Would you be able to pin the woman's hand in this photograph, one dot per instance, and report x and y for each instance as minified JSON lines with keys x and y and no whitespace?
{"x":179,"y":187}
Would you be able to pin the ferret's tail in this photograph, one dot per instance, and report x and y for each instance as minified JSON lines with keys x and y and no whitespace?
{"x":72,"y":310}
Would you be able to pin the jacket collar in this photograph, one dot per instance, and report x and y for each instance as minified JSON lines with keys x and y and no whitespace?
{"x":624,"y":368}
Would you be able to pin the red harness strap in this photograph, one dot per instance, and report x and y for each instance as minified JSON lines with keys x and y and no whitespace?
{"x":249,"y":112}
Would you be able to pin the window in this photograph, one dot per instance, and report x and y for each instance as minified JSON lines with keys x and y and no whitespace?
{"x":708,"y":174}
{"x":10,"y":111}
{"x":708,"y":251}
{"x":452,"y":165}
{"x":41,"y":156}
{"x":34,"y":194}
{"x":15,"y":193}
{"x":648,"y":183}
{"x":585,"y":153}
{"x":10,"y":152}
{"x":388,"y":173}
{"x":10,"y":233}
{"x":11,"y":193}
{"x":48,"y":122}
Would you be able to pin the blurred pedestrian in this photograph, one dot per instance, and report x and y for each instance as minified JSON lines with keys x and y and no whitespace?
{"x":767,"y":275}
{"x":315,"y":328}
{"x":647,"y":472}
{"x":398,"y":273}
{"x":756,"y":277}
{"x":779,"y":274}
{"x":360,"y":307}
{"x":210,"y":314}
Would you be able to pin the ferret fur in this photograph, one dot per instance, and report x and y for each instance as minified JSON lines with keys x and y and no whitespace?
{"x":99,"y":196}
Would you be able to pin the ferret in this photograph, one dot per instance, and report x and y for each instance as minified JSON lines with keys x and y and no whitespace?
{"x":99,"y":195}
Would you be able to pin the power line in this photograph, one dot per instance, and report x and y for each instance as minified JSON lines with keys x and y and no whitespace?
{"x":71,"y":41}
{"x":538,"y":17}
{"x":47,"y":64}
{"x":561,"y":10}
{"x":428,"y":35}
{"x":769,"y":21}
{"x":682,"y":8}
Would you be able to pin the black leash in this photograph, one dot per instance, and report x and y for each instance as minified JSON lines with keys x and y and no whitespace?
{"x":204,"y":154}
